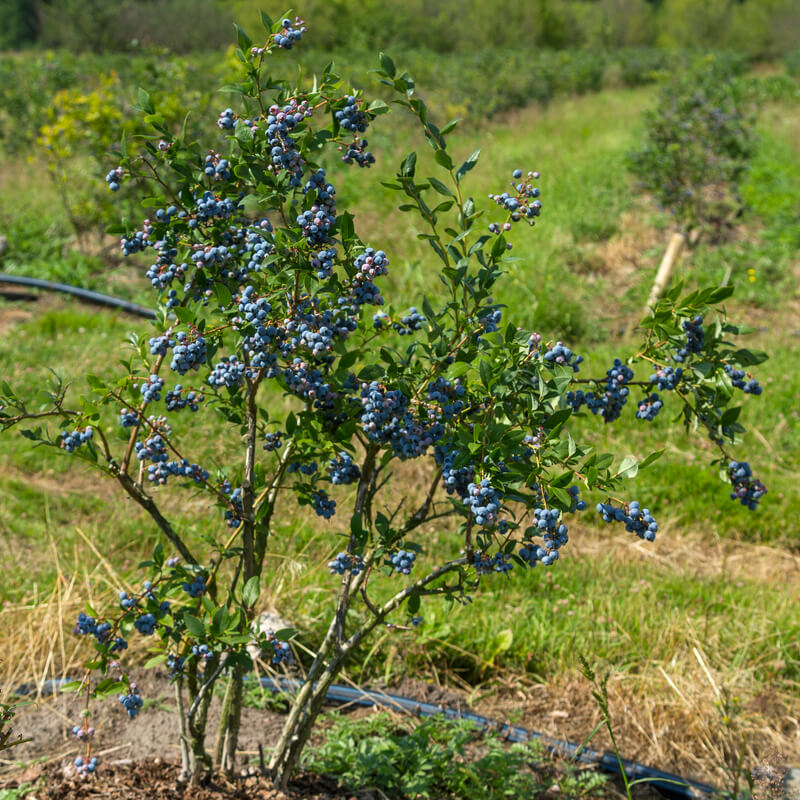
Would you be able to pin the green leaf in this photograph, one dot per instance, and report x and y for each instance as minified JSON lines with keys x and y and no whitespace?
{"x":387,"y":65}
{"x":109,"y":686}
{"x":628,"y":468}
{"x":438,"y":185}
{"x":71,"y":686}
{"x":651,"y":458}
{"x":223,"y":294}
{"x":499,"y":246}
{"x":413,"y":604}
{"x":371,"y":372}
{"x":749,"y":358}
{"x":346,"y":227}
{"x":245,"y":42}
{"x":449,"y":127}
{"x":442,"y":157}
{"x":194,"y":626}
{"x":145,"y":103}
{"x":155,"y":660}
{"x":266,"y":22}
{"x":243,"y":133}
{"x":485,"y":371}
{"x":251,"y":591}
{"x":184,"y":314}
{"x":467,"y":165}
{"x":409,"y":166}
{"x":378,"y":107}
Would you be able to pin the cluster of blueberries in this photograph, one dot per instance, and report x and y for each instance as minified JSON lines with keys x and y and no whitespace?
{"x":343,"y":470}
{"x":131,"y":700}
{"x":456,"y":480}
{"x":283,"y":151}
{"x":196,"y":588}
{"x":484,"y":502}
{"x":81,"y":733}
{"x":522,"y":204}
{"x":216,"y":167}
{"x":446,"y":395}
{"x":316,"y":222}
{"x":114,"y":178}
{"x":151,"y":388}
{"x":550,"y":525}
{"x":154,"y":449}
{"x":637,"y":520}
{"x":272,"y":441}
{"x":228,"y":371}
{"x":649,"y":407}
{"x":747,"y":489}
{"x":558,"y":354}
{"x":176,"y":400}
{"x":610,"y":402}
{"x":738,"y":376}
{"x":356,"y":153}
{"x":345,"y":562}
{"x":87,"y":625}
{"x":695,"y":339}
{"x":324,"y":506}
{"x":410,"y":322}
{"x":290,"y":33}
{"x":403,"y":561}
{"x":70,"y":440}
{"x":667,"y":378}
{"x":386,"y":418}
{"x":484,"y":564}
{"x":85,"y":766}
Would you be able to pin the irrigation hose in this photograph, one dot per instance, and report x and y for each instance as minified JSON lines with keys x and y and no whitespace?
{"x":83,"y":294}
{"x":672,"y":786}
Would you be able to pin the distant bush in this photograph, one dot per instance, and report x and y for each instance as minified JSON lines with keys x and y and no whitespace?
{"x":100,"y":26}
{"x":699,"y":139}
{"x":792,"y":62}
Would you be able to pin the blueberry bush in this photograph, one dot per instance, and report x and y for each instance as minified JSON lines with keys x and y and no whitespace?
{"x":699,"y":139}
{"x":263,"y":288}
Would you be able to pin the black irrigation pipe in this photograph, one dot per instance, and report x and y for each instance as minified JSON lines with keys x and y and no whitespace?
{"x":83,"y":294}
{"x":672,"y":786}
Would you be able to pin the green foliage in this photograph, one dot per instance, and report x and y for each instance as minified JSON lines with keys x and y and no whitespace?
{"x":698,"y":141}
{"x":19,"y":23}
{"x":7,"y":738}
{"x":98,"y":26}
{"x":438,"y":758}
{"x":792,"y":62}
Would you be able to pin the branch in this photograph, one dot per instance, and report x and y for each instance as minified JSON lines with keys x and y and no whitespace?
{"x":248,"y":510}
{"x":152,"y":509}
{"x":361,"y":497}
{"x":400,"y":598}
{"x":421,"y":514}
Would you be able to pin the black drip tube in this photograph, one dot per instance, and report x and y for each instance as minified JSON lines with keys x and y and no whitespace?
{"x":672,"y":786}
{"x":83,"y":294}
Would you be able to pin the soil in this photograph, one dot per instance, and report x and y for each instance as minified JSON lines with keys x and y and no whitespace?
{"x":139,"y":758}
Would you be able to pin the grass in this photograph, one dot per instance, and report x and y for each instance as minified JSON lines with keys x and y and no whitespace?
{"x":720,"y":582}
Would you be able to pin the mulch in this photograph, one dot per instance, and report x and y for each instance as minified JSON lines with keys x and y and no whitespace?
{"x":156,"y":779}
